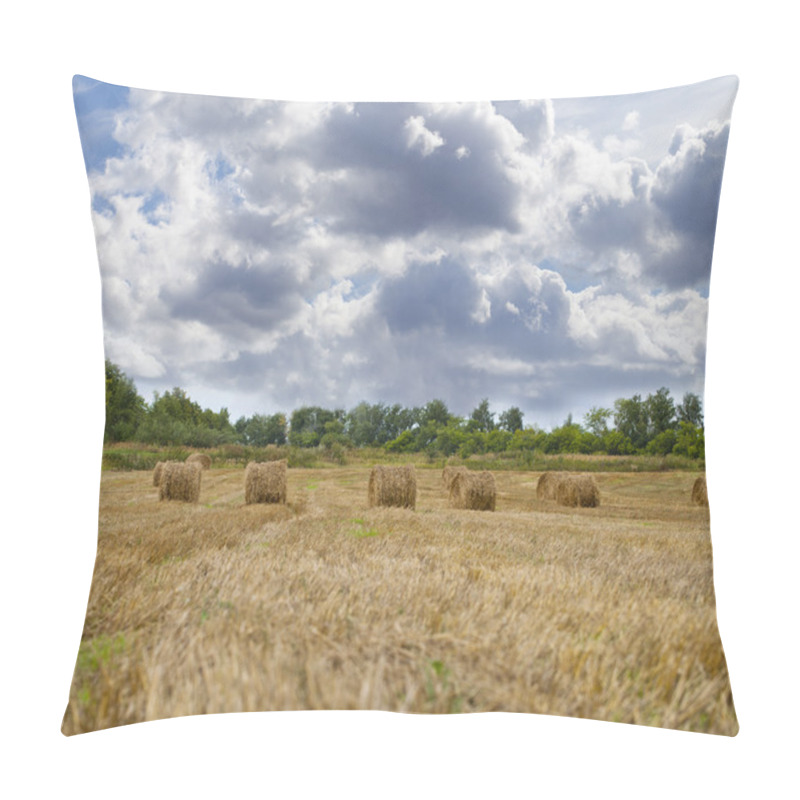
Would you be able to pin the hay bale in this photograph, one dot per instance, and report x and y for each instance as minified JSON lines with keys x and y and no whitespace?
{"x":179,"y":482}
{"x":157,"y":473}
{"x":700,"y":492}
{"x":393,"y":486}
{"x":473,"y":490}
{"x":547,"y":486}
{"x":449,"y":473}
{"x":203,"y":459}
{"x":265,"y":482}
{"x":578,"y":490}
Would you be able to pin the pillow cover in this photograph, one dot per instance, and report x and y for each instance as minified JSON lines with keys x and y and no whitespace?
{"x":404,"y":407}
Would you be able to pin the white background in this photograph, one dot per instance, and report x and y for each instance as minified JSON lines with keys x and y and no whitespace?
{"x":52,"y":386}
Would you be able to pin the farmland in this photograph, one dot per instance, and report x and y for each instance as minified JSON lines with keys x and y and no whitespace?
{"x":325,"y":603}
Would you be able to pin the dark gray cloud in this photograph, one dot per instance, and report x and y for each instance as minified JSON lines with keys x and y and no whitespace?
{"x":234,"y":298}
{"x":395,"y":187}
{"x":686,"y":191}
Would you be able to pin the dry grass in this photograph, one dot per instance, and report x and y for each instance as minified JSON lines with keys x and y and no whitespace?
{"x":548,"y":484}
{"x":203,"y":459}
{"x":700,"y":492}
{"x":578,"y":490}
{"x":476,"y":491}
{"x":392,"y":486}
{"x":449,"y":474}
{"x":179,"y":482}
{"x":603,"y":613}
{"x":265,"y":482}
{"x":157,"y":473}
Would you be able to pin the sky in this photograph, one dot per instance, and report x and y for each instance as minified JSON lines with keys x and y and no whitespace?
{"x":553,"y":255}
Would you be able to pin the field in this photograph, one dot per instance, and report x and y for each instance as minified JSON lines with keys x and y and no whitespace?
{"x":323,"y":603}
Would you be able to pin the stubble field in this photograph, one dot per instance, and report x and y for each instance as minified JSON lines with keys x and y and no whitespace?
{"x":605,"y":613}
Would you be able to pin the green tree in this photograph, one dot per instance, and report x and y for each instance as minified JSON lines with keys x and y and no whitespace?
{"x":366,"y":425}
{"x":261,"y":430}
{"x":398,"y":419}
{"x":482,"y":419}
{"x":660,"y":412}
{"x":404,"y":443}
{"x":690,"y":441}
{"x":690,"y":410}
{"x":630,"y":419}
{"x":616,"y":443}
{"x":125,"y":409}
{"x":307,"y":425}
{"x":511,"y":420}
{"x":435,"y":412}
{"x":663,"y":443}
{"x":596,"y":420}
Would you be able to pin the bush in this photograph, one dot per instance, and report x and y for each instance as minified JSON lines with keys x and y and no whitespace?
{"x":663,"y":443}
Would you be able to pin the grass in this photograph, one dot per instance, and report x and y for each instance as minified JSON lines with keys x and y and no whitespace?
{"x":135,"y":456}
{"x":605,"y":613}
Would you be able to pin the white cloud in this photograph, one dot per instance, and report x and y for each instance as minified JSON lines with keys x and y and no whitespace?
{"x":419,"y":137}
{"x":631,"y":121}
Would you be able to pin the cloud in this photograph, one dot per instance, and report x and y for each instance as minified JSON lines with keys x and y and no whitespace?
{"x":419,"y":137}
{"x":327,"y":253}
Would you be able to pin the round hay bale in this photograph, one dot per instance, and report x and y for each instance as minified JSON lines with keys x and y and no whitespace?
{"x":700,"y":492}
{"x":448,"y":473}
{"x":157,"y":473}
{"x":203,"y":459}
{"x":265,"y":482}
{"x":393,"y":486}
{"x":180,"y":482}
{"x":578,"y":490}
{"x":473,"y":490}
{"x":548,"y":485}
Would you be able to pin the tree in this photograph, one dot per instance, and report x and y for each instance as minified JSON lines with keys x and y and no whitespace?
{"x":482,"y":419}
{"x":435,"y":412}
{"x":690,"y":410}
{"x":307,"y":425}
{"x":366,"y":425}
{"x":630,"y":419}
{"x":690,"y":441}
{"x":511,"y":420}
{"x":261,"y":430}
{"x":596,"y":420}
{"x":660,"y":412}
{"x":125,"y":409}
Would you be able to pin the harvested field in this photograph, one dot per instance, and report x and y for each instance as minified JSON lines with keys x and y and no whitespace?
{"x":547,"y":486}
{"x":473,"y":490}
{"x":179,"y":482}
{"x":203,"y":459}
{"x":392,"y":486}
{"x":265,"y":482}
{"x":324,"y":602}
{"x":578,"y":490}
{"x":700,"y":492}
{"x":449,"y":474}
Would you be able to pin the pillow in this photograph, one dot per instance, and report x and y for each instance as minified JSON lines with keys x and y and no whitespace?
{"x":404,"y":407}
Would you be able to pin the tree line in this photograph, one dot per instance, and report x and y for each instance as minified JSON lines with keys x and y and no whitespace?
{"x":655,"y":424}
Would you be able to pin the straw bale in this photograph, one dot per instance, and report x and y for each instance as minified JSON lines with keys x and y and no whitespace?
{"x":448,"y":473}
{"x":473,"y":490}
{"x":180,"y":482}
{"x":157,"y":473}
{"x":547,"y":486}
{"x":203,"y":459}
{"x":578,"y":490}
{"x":265,"y":482}
{"x":393,"y":486}
{"x":700,"y":492}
